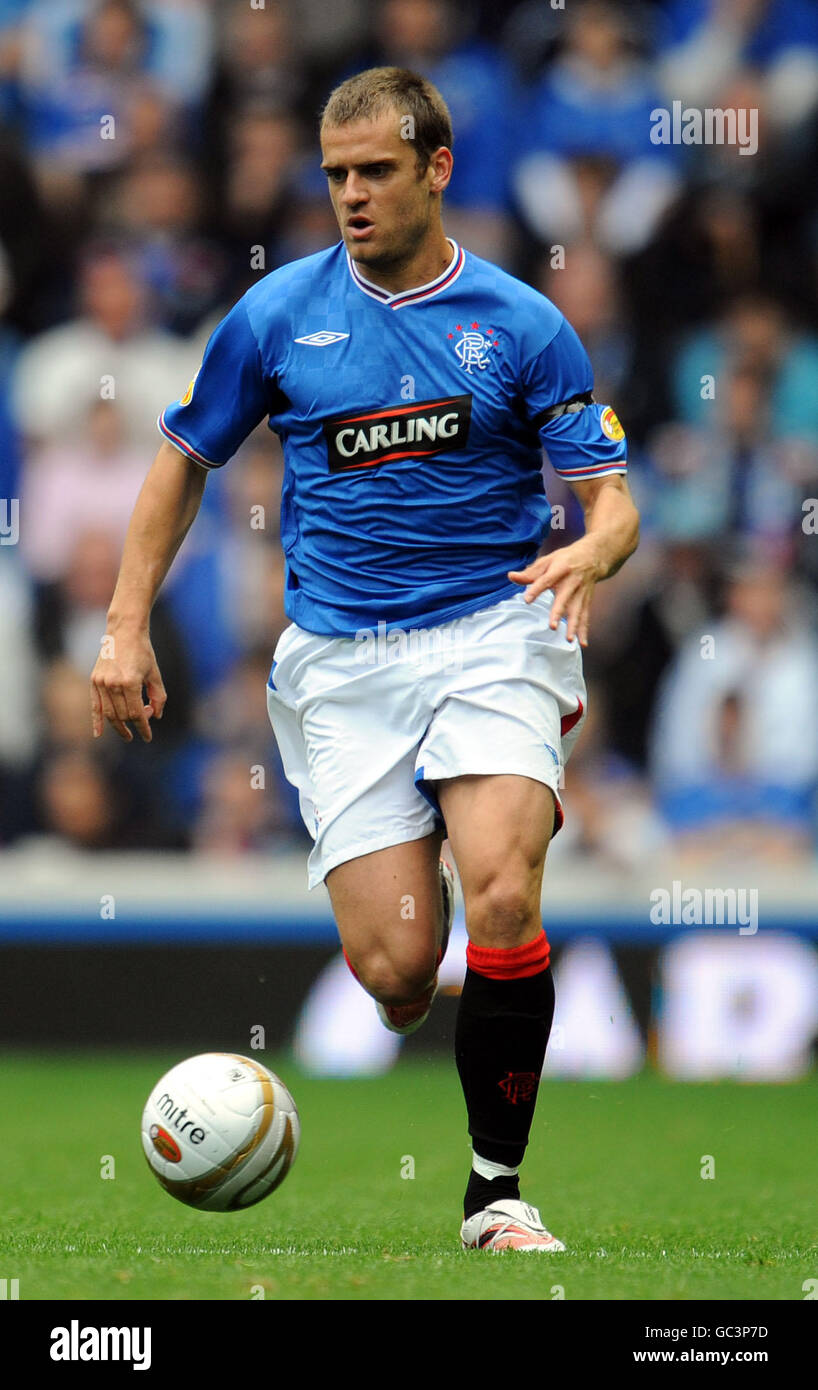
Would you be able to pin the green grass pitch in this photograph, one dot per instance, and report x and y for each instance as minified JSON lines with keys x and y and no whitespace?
{"x":615,"y":1168}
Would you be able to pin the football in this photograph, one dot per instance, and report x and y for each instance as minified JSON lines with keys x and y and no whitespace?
{"x":220,"y":1131}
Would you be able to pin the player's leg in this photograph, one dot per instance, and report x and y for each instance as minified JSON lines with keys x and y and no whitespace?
{"x":348,"y":734}
{"x":499,"y":827}
{"x":389,"y":912}
{"x":492,"y":756}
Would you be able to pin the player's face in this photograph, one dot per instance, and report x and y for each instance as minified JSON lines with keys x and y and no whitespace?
{"x":385,"y":206}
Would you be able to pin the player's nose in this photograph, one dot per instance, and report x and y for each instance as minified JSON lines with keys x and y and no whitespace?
{"x":353,"y":191}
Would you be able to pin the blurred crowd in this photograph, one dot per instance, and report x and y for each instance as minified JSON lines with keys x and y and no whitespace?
{"x":158,"y":156}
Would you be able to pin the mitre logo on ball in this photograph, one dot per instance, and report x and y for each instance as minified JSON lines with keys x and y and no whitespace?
{"x":220,"y":1132}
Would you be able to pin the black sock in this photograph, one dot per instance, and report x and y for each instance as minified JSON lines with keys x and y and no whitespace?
{"x":481,"y":1192}
{"x":502,"y":1031}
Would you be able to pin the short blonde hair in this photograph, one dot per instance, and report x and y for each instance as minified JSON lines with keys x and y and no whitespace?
{"x":375,"y":90}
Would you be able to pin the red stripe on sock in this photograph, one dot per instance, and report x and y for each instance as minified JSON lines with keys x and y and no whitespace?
{"x":509,"y":963}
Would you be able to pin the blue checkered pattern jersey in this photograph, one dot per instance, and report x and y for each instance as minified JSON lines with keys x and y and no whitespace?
{"x":412,"y":427}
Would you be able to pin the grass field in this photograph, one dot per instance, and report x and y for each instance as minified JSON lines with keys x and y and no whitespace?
{"x":614,"y":1167}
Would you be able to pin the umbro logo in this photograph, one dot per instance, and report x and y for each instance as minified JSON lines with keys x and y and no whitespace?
{"x":322,"y":339}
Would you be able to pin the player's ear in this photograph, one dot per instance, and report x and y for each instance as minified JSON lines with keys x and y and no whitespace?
{"x":439,"y":169}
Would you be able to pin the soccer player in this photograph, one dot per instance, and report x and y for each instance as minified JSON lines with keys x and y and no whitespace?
{"x":430,"y":681}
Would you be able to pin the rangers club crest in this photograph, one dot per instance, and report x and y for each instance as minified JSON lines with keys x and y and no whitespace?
{"x":519,"y":1086}
{"x":473,"y":348}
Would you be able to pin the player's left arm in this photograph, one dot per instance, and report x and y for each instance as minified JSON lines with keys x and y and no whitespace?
{"x":611,"y":535}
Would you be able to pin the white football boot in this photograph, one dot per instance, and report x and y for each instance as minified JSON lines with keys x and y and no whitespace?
{"x":407,"y":1018}
{"x":508,"y":1225}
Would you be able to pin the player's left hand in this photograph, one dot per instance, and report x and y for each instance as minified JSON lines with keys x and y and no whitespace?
{"x":572,"y":573}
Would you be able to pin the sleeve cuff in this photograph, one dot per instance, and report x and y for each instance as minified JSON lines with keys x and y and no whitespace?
{"x":183,"y":446}
{"x":578,"y":475}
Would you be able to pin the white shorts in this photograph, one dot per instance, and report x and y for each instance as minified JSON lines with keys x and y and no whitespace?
{"x":367,"y":724}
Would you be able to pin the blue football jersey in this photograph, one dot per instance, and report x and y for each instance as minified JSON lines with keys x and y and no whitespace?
{"x":412,"y":427}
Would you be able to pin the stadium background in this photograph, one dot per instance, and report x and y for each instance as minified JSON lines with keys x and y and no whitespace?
{"x":155,"y":160}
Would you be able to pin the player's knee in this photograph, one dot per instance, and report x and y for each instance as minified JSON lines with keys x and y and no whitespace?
{"x":503,"y":910}
{"x":395,"y":981}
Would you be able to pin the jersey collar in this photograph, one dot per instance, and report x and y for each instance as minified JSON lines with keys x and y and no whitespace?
{"x":414,"y":296}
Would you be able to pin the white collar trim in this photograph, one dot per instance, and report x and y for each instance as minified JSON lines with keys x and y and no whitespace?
{"x":419,"y":292}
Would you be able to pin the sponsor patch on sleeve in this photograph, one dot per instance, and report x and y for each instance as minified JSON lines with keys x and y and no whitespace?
{"x":610,"y":424}
{"x":186,"y":398}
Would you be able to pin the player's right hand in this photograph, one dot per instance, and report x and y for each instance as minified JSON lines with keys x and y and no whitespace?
{"x":125,"y":665}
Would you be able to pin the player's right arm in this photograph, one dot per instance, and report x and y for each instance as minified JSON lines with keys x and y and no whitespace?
{"x":225,"y":401}
{"x":165,"y":510}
